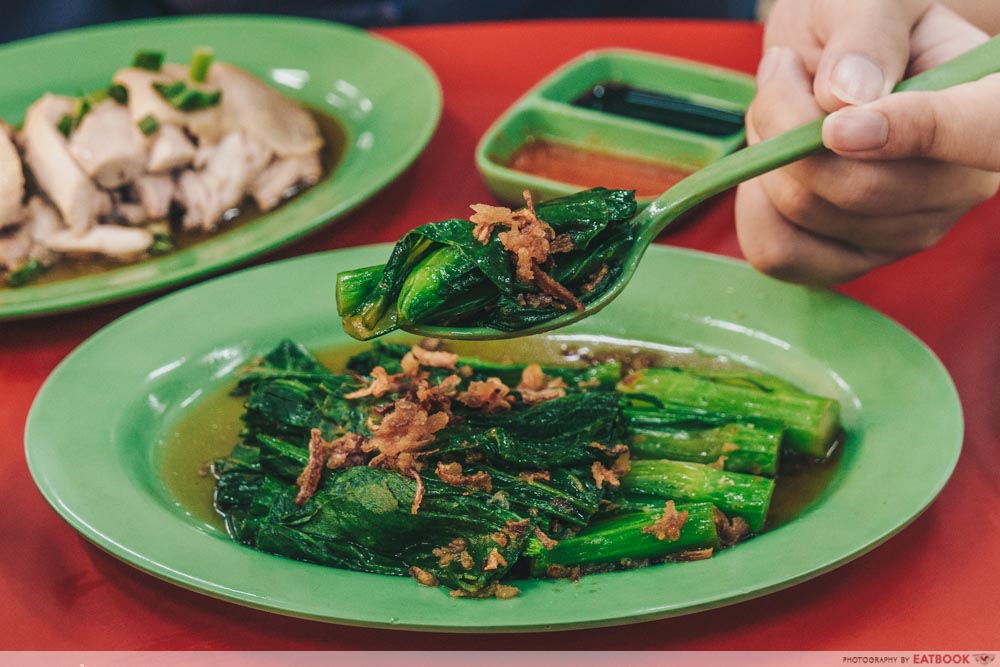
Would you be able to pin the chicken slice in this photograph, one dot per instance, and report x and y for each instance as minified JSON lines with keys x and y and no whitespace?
{"x":283,"y":178}
{"x":11,"y":179}
{"x":155,"y":194}
{"x":44,"y":220}
{"x":46,"y":152}
{"x":109,"y":145}
{"x":266,"y":115}
{"x":202,"y":208}
{"x":27,"y":242}
{"x":15,"y":244}
{"x":143,"y":100}
{"x":115,"y":241}
{"x":210,"y":194}
{"x":171,"y":149}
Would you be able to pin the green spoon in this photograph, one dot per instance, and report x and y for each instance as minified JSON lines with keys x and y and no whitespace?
{"x":723,"y":174}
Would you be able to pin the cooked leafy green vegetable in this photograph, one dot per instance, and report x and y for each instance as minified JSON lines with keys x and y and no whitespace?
{"x":736,"y":494}
{"x":523,"y":474}
{"x":811,"y":423}
{"x":621,"y":540}
{"x":441,"y":273}
{"x":686,"y":435}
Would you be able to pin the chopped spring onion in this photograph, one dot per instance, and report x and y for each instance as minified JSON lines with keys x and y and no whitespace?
{"x":118,"y":93}
{"x":86,"y":102}
{"x":65,"y":125}
{"x":200,"y":63}
{"x":27,"y":273}
{"x":181,"y":97}
{"x":162,"y":244}
{"x":150,"y":60}
{"x":148,"y":124}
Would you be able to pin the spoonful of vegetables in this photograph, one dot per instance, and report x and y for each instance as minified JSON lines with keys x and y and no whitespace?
{"x":504,"y":273}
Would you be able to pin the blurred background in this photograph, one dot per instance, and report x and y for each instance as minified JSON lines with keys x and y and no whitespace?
{"x":25,"y":18}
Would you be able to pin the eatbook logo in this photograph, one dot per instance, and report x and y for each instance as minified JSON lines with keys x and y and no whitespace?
{"x":984,"y":658}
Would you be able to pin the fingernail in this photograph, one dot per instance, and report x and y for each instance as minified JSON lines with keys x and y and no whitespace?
{"x":856,"y":130}
{"x":768,"y":63}
{"x":857,"y":80}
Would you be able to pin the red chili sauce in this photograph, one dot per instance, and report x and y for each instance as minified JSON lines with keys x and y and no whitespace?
{"x":588,"y":168}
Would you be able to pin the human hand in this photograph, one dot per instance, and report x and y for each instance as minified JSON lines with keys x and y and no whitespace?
{"x":902,"y":169}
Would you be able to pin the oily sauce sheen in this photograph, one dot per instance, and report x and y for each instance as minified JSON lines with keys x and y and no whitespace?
{"x":212,"y":426}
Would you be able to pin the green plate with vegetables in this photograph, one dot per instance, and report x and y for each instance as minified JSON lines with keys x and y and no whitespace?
{"x":378,"y":103}
{"x":98,"y":440}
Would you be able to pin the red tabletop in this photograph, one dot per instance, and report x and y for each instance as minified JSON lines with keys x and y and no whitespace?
{"x":934,"y":586}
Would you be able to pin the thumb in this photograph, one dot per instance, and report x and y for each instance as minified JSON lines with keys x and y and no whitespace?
{"x":866,"y":48}
{"x":954,"y":125}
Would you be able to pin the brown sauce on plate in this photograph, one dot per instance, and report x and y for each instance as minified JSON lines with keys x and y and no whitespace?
{"x":589,"y":168}
{"x":211,"y":428}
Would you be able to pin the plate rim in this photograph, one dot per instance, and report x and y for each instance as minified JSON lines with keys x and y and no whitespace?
{"x":457,"y":624}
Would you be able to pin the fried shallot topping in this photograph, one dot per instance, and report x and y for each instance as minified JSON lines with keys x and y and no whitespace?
{"x":528,"y":239}
{"x":537,"y":300}
{"x":548,"y":284}
{"x":451,"y":473}
{"x":308,"y":480}
{"x":494,"y":560}
{"x":622,"y":465}
{"x":418,"y":493}
{"x":536,"y":387}
{"x":346,"y":451}
{"x":517,"y":529}
{"x":531,"y":242}
{"x":403,"y":435}
{"x":602,"y":475}
{"x":432,"y":344}
{"x":668,"y":526}
{"x":563,"y":572}
{"x":719,"y":463}
{"x":486,"y":218}
{"x":454,"y":551}
{"x":434,"y":358}
{"x":494,"y":590}
{"x":423,"y":577}
{"x":533,"y":476}
{"x":617,"y":450}
{"x":546,"y":541}
{"x":561,"y":243}
{"x":693,"y":554}
{"x":732,"y":530}
{"x":437,"y":398}
{"x":490,"y":396}
{"x":382,"y":384}
{"x":594,"y":279}
{"x":343,"y":452}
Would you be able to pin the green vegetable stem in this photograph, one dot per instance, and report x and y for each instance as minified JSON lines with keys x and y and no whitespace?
{"x":620,"y":540}
{"x":736,"y":494}
{"x":811,"y":423}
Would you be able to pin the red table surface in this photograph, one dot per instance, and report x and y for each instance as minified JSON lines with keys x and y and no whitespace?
{"x":934,"y":586}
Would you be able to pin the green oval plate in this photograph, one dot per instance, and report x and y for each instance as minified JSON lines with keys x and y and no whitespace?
{"x":92,"y":440}
{"x":386,"y":99}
